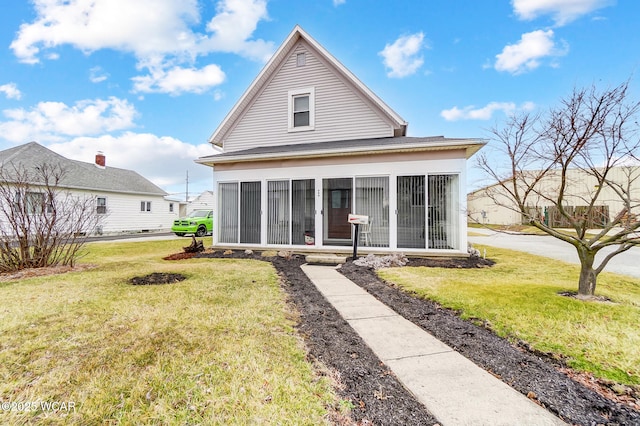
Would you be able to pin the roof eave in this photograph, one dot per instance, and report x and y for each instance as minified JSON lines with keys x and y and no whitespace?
{"x":470,"y":147}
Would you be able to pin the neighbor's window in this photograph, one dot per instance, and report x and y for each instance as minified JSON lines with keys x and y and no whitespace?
{"x":145,"y":206}
{"x":301,"y":109}
{"x":34,"y":202}
{"x":170,"y":207}
{"x":101,"y":205}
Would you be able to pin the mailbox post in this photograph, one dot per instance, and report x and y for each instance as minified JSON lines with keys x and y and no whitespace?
{"x":357,"y":220}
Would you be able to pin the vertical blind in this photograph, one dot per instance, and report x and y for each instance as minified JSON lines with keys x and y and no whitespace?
{"x":250,"y":212}
{"x":427,"y":211}
{"x":278,"y":212}
{"x":411,"y":212}
{"x":372,"y":199}
{"x":228,"y":212}
{"x":443,"y":212}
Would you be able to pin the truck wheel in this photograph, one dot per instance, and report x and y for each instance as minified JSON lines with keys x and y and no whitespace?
{"x":180,"y":234}
{"x":201,"y":232}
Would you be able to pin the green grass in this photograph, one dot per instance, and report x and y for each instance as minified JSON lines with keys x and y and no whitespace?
{"x":519,"y":298}
{"x":217,"y":348}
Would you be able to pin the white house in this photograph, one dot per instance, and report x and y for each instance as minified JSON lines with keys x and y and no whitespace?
{"x":204,"y":201}
{"x":126,"y":201}
{"x":308,"y":143}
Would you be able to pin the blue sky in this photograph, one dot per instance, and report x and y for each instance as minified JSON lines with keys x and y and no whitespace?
{"x":148,"y":81}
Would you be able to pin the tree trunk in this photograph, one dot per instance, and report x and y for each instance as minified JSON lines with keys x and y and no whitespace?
{"x":588,"y":276}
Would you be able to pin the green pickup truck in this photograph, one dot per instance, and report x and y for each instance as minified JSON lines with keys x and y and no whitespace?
{"x":198,"y":222}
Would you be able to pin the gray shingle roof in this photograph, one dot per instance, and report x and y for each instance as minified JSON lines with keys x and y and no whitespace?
{"x":346,"y":147}
{"x":79,"y":175}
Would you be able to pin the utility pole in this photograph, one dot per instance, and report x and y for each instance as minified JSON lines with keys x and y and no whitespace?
{"x":186,"y":193}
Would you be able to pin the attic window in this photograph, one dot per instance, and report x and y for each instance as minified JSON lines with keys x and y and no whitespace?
{"x":301,"y":109}
{"x":301,"y":59}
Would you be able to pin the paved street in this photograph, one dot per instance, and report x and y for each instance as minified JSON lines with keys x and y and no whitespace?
{"x":543,"y":245}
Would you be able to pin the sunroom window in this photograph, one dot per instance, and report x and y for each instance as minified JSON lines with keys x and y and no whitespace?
{"x":239,"y":212}
{"x":372,"y":200}
{"x":443,"y":211}
{"x":435,"y":225}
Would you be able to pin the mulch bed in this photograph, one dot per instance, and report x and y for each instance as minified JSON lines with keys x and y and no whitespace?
{"x":374,"y":392}
{"x":157,"y":278}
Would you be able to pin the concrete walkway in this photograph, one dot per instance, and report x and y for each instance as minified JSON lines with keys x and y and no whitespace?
{"x":454,"y":390}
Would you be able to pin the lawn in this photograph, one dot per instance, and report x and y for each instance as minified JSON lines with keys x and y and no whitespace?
{"x":217,"y":348}
{"x":518,"y":298}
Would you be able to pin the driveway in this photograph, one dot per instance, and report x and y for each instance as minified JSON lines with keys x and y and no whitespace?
{"x":627,"y":263}
{"x":151,"y":236}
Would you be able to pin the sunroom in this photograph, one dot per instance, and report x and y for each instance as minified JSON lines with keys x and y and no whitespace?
{"x":413,"y":200}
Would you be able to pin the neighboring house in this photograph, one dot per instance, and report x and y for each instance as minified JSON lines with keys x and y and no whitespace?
{"x":308,"y":143}
{"x":126,"y":201}
{"x":490,"y":205}
{"x":204,"y":201}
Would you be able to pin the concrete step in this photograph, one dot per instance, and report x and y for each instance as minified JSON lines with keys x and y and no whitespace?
{"x":325,"y":259}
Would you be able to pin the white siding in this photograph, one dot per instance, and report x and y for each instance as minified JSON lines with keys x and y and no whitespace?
{"x":124,"y":215}
{"x":483,"y":209}
{"x":123,"y":211}
{"x":340,"y":113}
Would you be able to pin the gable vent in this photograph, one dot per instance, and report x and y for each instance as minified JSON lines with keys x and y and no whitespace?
{"x":301,"y":59}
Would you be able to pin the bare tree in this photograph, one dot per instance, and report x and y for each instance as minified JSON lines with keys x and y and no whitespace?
{"x":569,"y":166}
{"x":41,"y":224}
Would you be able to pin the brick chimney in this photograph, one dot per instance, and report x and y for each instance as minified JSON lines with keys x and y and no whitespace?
{"x":101,"y":160}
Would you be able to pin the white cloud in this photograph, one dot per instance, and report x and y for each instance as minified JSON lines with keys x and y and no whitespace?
{"x":108,"y":24}
{"x":561,"y":11}
{"x":11,"y":91}
{"x":527,"y":54}
{"x":485,"y":112}
{"x":218,"y":95}
{"x":97,"y":75}
{"x":402,"y":57}
{"x":55,"y":121}
{"x":163,"y":160}
{"x":179,"y":80}
{"x":233,"y":25}
{"x":161,"y":40}
{"x":337,"y":3}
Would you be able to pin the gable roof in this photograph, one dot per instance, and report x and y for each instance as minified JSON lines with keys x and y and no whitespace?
{"x":272,"y":67}
{"x":346,"y":148}
{"x":78,"y":174}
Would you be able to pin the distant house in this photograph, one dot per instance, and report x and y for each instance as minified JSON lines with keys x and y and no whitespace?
{"x":204,"y":201}
{"x":127,"y":201}
{"x":308,"y":144}
{"x":490,"y":205}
